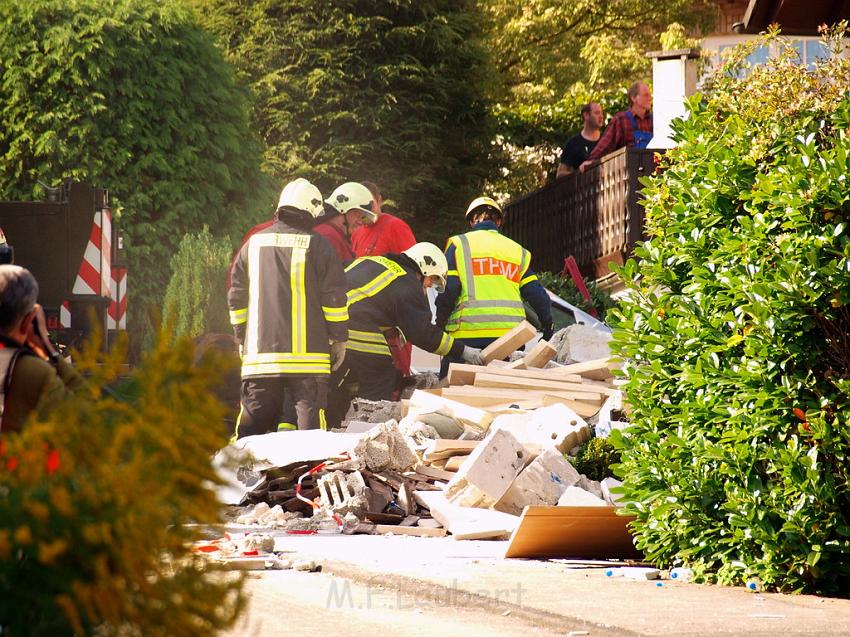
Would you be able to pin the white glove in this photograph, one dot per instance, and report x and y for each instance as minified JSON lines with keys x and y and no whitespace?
{"x":472,"y":356}
{"x":337,"y":354}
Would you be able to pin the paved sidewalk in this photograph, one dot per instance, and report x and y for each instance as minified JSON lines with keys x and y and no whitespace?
{"x":446,"y":573}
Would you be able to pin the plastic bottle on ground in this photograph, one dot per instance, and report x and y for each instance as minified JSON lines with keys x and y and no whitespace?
{"x":681,"y":574}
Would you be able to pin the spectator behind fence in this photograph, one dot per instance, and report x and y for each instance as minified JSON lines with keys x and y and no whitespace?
{"x":632,"y":128}
{"x":33,"y":376}
{"x":579,"y":146}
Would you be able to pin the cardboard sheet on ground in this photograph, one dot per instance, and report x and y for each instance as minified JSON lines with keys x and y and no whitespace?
{"x":277,"y":449}
{"x":572,"y":531}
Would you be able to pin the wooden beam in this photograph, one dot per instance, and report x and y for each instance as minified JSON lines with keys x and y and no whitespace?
{"x":421,"y":402}
{"x":583,"y":409}
{"x":539,"y":355}
{"x":510,"y":342}
{"x":598,"y":369}
{"x":575,"y":389}
{"x":453,"y":463}
{"x":463,"y":374}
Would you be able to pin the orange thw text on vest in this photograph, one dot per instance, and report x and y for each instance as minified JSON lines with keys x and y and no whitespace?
{"x":489,"y":265}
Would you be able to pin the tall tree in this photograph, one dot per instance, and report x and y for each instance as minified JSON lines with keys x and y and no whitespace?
{"x":389,"y":91}
{"x":549,"y":57}
{"x":132,"y":95}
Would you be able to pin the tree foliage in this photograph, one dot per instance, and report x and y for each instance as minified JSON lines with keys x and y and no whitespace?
{"x":133,"y":96}
{"x":551,"y":57}
{"x":734,"y":334}
{"x":97,"y":501}
{"x":388,"y":91}
{"x":195,"y":300}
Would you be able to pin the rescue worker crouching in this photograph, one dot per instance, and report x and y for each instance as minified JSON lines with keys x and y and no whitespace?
{"x":386,"y":294}
{"x":288,"y":311}
{"x":489,"y":277}
{"x":349,"y":206}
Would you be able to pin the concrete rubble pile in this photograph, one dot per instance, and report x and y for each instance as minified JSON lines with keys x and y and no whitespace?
{"x":464,"y":459}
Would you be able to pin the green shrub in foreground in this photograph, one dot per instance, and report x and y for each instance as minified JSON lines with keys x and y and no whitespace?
{"x":735,"y":335}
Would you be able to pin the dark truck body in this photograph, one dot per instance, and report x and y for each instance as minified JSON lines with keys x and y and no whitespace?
{"x":75,"y":261}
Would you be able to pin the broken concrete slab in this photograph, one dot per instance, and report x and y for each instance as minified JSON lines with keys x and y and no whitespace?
{"x":576,"y":496}
{"x":465,"y":523}
{"x":445,"y":426}
{"x":540,"y":484}
{"x":591,"y":486}
{"x":556,"y":426}
{"x":344,"y":493}
{"x":579,"y":343}
{"x":488,"y":472}
{"x":376,"y":411}
{"x":385,"y":447}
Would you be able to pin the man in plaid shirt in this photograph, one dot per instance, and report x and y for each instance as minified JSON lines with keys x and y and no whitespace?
{"x":632,"y":128}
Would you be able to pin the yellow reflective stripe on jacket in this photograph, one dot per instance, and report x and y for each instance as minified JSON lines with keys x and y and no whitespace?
{"x":445,"y":347}
{"x":368,"y":348}
{"x":392,"y":271}
{"x":299,"y":300}
{"x":335,"y":314}
{"x":368,"y":342}
{"x":286,"y":426}
{"x":528,"y":279}
{"x":277,"y":369}
{"x":237,"y":317}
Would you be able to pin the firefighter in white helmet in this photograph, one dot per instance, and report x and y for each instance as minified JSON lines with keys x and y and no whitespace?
{"x":288,"y":311}
{"x":387,"y":294}
{"x":489,"y":277}
{"x":349,"y":206}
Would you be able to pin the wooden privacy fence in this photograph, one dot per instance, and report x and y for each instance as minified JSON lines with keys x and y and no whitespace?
{"x":595,"y":216}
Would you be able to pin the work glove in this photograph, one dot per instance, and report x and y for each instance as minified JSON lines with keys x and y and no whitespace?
{"x":548,"y":330}
{"x":337,"y":354}
{"x":472,"y":355}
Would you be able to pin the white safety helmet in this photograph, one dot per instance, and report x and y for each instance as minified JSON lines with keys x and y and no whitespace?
{"x":483,"y":202}
{"x":353,"y":196}
{"x":431,"y":262}
{"x":301,"y":195}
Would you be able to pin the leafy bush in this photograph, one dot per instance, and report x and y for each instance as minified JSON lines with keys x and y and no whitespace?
{"x":565,"y":287}
{"x":133,"y":96}
{"x":196,"y":297}
{"x":734,"y":333}
{"x":94,"y":501}
{"x":595,"y":459}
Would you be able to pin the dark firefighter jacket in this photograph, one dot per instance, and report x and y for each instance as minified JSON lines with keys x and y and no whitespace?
{"x":287,"y":301}
{"x":385,"y":293}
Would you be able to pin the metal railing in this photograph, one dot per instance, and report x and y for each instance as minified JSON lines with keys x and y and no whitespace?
{"x":595,"y":216}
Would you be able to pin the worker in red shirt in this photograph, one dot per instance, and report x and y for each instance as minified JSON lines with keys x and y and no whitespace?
{"x":387,"y":235}
{"x":347,"y":209}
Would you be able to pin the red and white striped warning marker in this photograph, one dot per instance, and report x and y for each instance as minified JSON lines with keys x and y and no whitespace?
{"x":94,"y":275}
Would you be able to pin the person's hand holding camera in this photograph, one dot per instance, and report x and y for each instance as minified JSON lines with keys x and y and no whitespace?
{"x":38,"y":339}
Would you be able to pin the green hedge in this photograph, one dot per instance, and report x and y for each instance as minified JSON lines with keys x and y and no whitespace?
{"x":735,"y":334}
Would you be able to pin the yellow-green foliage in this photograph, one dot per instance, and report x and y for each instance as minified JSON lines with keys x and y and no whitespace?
{"x":94,"y":500}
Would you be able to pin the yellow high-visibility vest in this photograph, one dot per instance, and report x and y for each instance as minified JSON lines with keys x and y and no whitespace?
{"x":491,"y":268}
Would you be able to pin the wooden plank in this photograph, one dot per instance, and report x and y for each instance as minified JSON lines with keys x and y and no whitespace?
{"x":584,"y":532}
{"x":498,"y":363}
{"x":454,"y":462}
{"x":517,"y":364}
{"x":433,"y":472}
{"x":583,"y":409}
{"x":509,"y":342}
{"x":443,"y":444}
{"x":576,"y":390}
{"x":540,"y":354}
{"x":418,"y":531}
{"x":463,"y":374}
{"x":524,"y":400}
{"x":598,"y":369}
{"x":466,"y":523}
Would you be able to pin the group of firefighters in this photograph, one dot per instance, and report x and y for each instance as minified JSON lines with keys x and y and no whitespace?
{"x":317,"y":326}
